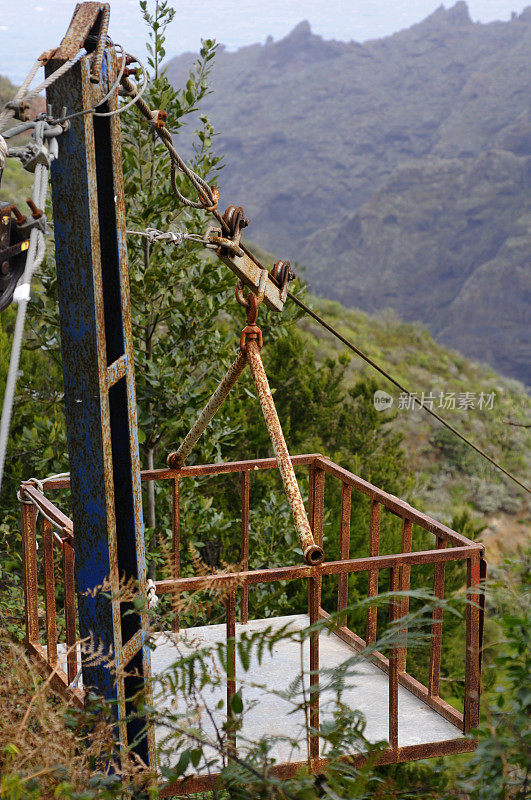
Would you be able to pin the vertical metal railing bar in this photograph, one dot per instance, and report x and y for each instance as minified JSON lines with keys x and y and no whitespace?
{"x":311,"y":489}
{"x":28,"y":515}
{"x":374,"y":550}
{"x":471,"y":710}
{"x":49,"y":592}
{"x":244,"y":549}
{"x":314,"y":602}
{"x":231,"y":660}
{"x":344,"y":550}
{"x":404,"y":582}
{"x":175,"y":549}
{"x":318,"y":513}
{"x":394,"y":610}
{"x":70,"y":611}
{"x":482,"y":579}
{"x":436,"y":625}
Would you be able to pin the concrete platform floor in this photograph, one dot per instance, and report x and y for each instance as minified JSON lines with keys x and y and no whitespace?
{"x":267,"y":712}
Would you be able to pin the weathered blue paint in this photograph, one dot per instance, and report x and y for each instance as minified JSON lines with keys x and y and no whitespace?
{"x":100,"y":406}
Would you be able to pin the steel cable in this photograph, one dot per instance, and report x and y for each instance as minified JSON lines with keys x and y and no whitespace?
{"x":402,"y":388}
{"x":34,"y":258}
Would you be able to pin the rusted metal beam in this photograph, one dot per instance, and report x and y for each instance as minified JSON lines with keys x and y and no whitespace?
{"x":203,"y":470}
{"x":176,"y":459}
{"x":250,"y":273}
{"x":85,"y":19}
{"x":472,"y":673}
{"x":327,"y":568}
{"x":344,"y":546}
{"x":374,"y":550}
{"x":48,"y":508}
{"x":205,"y":783}
{"x":49,"y":591}
{"x":230,"y":605}
{"x":404,"y":582}
{"x":28,"y":515}
{"x":244,"y":545}
{"x":56,"y":676}
{"x":394,"y":611}
{"x":70,"y":611}
{"x":95,"y":317}
{"x":175,"y":548}
{"x":392,"y":503}
{"x":312,"y":551}
{"x":436,"y":626}
{"x":404,"y":678}
{"x":314,"y":601}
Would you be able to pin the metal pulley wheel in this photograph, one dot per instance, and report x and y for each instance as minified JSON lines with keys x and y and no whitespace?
{"x":13,"y":246}
{"x":235,"y":220}
{"x":282,"y":273}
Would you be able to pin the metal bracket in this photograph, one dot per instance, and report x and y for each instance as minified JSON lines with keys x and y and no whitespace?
{"x":240,"y":261}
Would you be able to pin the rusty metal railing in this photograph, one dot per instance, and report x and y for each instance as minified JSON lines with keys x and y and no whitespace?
{"x":450,"y":546}
{"x":56,"y":532}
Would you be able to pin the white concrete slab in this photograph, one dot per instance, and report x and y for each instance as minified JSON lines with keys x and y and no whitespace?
{"x":267,"y":712}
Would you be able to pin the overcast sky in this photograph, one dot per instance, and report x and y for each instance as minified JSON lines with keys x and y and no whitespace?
{"x":27,"y":28}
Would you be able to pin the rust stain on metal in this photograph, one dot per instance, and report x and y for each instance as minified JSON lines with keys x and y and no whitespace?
{"x":244,"y":545}
{"x":176,"y":460}
{"x":84,"y":19}
{"x":450,"y":547}
{"x":49,"y":592}
{"x":312,"y":552}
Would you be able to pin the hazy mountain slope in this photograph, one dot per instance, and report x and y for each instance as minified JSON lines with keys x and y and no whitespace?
{"x":448,"y":474}
{"x":397,"y":171}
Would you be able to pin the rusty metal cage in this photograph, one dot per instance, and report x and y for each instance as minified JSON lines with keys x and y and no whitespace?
{"x":449,"y":547}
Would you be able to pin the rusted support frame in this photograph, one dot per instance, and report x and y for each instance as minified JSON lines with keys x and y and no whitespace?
{"x":176,"y":460}
{"x":70,"y":612}
{"x":404,"y":582}
{"x":374,"y":550}
{"x":314,"y":602}
{"x":404,"y":678}
{"x":344,"y":549}
{"x":311,"y":549}
{"x":49,"y":592}
{"x":203,"y":470}
{"x":394,"y":612}
{"x":175,"y":549}
{"x":303,"y":571}
{"x":203,"y":783}
{"x":393,"y":504}
{"x":49,"y":509}
{"x":472,"y":681}
{"x":56,"y":676}
{"x":482,"y":580}
{"x":28,"y":515}
{"x":436,"y":626}
{"x":311,"y":490}
{"x":231,"y":663}
{"x":244,"y":546}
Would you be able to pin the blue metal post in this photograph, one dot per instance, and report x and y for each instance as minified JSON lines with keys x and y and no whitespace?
{"x":100,"y":402}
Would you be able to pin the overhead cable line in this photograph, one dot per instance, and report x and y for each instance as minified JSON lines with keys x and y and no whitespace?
{"x":47,"y":148}
{"x":402,"y":388}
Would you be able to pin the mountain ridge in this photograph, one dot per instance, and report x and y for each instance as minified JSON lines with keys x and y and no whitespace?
{"x":320,"y":135}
